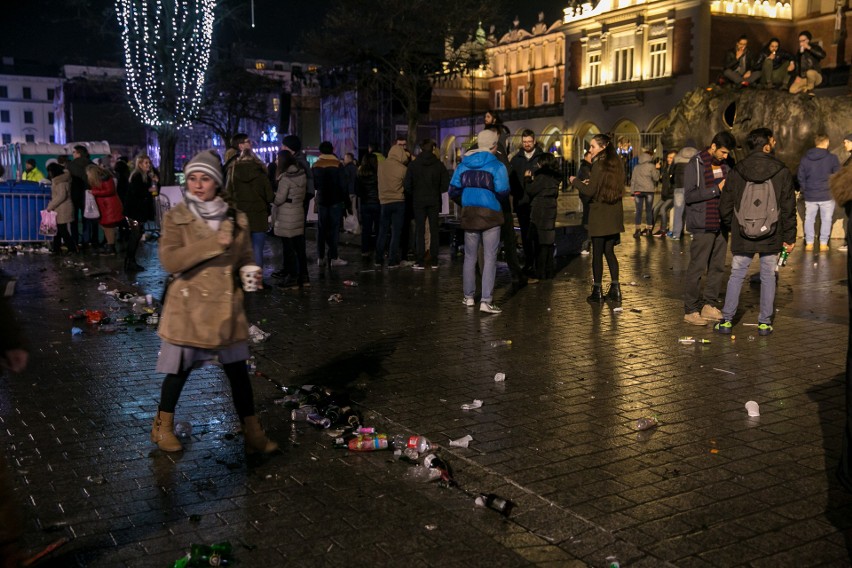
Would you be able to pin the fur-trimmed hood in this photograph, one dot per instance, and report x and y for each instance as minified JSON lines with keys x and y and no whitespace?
{"x":841,"y":186}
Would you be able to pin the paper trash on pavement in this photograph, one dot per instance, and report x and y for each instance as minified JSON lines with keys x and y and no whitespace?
{"x":470,"y":406}
{"x":461,"y":442}
{"x":257,"y":335}
{"x":499,"y":377}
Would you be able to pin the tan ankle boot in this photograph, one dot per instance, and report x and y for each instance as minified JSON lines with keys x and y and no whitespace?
{"x":163,"y":432}
{"x":256,"y":440}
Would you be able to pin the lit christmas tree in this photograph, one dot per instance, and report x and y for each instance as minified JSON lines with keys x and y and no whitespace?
{"x":166,"y":53}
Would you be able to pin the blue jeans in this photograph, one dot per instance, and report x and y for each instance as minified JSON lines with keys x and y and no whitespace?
{"x":739,"y":271}
{"x":490,"y":240}
{"x":258,"y":241}
{"x":646,"y":199}
{"x":677,"y":214}
{"x":328,"y":230}
{"x":393,"y":215}
{"x":826,"y":216}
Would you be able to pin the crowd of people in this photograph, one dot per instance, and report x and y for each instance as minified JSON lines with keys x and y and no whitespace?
{"x":773,"y":67}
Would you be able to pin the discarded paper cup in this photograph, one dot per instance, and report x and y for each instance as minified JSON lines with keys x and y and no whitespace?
{"x":251,"y":276}
{"x":753,"y":408}
{"x":499,"y":377}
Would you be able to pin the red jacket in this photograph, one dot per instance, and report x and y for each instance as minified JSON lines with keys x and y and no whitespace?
{"x":108,"y":203}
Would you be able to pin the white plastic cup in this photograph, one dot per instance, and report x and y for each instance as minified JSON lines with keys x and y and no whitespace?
{"x":149,"y":299}
{"x":251,"y":276}
{"x":753,"y":408}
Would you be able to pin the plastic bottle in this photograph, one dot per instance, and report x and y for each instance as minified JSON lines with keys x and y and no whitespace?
{"x":689,"y":340}
{"x":782,"y":259}
{"x":418,"y":443}
{"x":369,"y":443}
{"x":495,"y":502}
{"x":422,"y":474}
{"x":350,"y":283}
{"x":500,"y":343}
{"x":646,"y":423}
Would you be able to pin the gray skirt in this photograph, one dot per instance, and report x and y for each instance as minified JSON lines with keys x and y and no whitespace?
{"x":175,"y":358}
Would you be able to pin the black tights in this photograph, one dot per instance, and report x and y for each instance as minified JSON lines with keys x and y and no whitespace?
{"x":604,"y":246}
{"x":238,"y":376}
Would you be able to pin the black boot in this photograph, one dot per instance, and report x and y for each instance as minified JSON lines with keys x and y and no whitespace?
{"x":596,"y":295}
{"x":614,"y":292}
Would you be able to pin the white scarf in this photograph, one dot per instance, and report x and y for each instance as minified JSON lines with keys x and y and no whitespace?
{"x":212,"y":212}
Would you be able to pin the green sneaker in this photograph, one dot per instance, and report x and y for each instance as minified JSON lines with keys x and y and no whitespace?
{"x":724,"y":327}
{"x":764,"y":329}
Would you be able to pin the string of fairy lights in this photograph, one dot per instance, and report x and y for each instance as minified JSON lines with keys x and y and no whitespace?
{"x":166,"y":53}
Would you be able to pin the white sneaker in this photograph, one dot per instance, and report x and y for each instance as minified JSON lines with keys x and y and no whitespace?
{"x":842,"y":248}
{"x":468,"y":301}
{"x":489,"y":308}
{"x":584,"y":252}
{"x":338,"y":262}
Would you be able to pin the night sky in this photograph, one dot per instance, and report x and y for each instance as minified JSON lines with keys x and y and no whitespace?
{"x":85,"y":31}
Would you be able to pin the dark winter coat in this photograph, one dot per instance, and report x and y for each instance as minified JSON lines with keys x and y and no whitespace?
{"x":108,"y":203}
{"x":122,"y":181}
{"x":782,"y":57}
{"x":249,"y":191}
{"x":697,"y":194}
{"x":139,"y":203}
{"x":350,"y":172}
{"x":816,"y":167}
{"x":518,"y":167}
{"x":809,"y":59}
{"x":543,"y":192}
{"x":667,"y":177}
{"x":367,"y":189}
{"x":426,"y":179}
{"x":329,"y":182}
{"x":604,"y":218}
{"x":758,"y":167}
{"x":732,"y":62}
{"x":79,"y":181}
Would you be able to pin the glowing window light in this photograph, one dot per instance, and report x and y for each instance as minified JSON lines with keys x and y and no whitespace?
{"x":166,"y":54}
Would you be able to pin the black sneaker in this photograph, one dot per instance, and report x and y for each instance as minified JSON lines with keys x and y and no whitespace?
{"x":724,"y":327}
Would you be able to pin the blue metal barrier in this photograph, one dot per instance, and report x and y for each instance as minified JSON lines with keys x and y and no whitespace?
{"x":20,"y":211}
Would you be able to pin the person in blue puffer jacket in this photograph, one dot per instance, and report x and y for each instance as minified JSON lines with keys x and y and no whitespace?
{"x":479,"y":184}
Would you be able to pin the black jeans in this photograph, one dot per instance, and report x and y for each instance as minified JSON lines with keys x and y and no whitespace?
{"x":63,"y":235}
{"x":706,"y":253}
{"x":510,"y":247}
{"x":371,"y":213}
{"x":295,"y":261}
{"x":523,"y":214}
{"x":604,"y":246}
{"x":423,"y":213}
{"x":241,"y":390}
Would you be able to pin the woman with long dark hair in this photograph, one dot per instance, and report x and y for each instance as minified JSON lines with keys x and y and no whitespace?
{"x":367,"y":190}
{"x":604,"y":189}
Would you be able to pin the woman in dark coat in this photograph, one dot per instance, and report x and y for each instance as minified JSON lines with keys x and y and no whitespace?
{"x":606,"y":213}
{"x":139,"y":207}
{"x":543,"y":191}
{"x":367,"y":190}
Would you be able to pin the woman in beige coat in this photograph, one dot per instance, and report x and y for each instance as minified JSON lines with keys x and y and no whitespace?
{"x":289,"y":220}
{"x":60,"y":201}
{"x":203,"y":244}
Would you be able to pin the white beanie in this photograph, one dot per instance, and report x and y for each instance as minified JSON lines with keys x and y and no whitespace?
{"x":206,"y":162}
{"x":487,"y":139}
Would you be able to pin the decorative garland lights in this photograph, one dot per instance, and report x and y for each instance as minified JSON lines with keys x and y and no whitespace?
{"x":166,"y":53}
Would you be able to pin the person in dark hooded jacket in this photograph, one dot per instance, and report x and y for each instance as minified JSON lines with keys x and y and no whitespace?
{"x":426,"y":180}
{"x":543,"y":192}
{"x":760,"y":165}
{"x":816,"y":167}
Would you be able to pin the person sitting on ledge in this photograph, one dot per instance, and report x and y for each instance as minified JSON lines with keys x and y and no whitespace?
{"x":739,"y":67}
{"x":775,"y":64}
{"x":808,"y":72}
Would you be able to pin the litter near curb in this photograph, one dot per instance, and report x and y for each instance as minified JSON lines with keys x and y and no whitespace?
{"x":470,"y":406}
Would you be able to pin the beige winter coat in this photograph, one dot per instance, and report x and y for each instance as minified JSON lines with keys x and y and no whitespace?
{"x":60,"y":198}
{"x":204,"y":305}
{"x":391,"y":176}
{"x":289,"y":218}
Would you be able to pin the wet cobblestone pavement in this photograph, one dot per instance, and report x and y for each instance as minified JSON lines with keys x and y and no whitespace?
{"x":708,"y":487}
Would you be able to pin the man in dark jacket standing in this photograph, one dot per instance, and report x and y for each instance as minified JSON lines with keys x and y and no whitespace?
{"x":704,"y":179}
{"x":79,"y":185}
{"x":522,"y":163}
{"x":426,"y":180}
{"x":817,"y":165}
{"x":332,"y":198}
{"x":760,"y":165}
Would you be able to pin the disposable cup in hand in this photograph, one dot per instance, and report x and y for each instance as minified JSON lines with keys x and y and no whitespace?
{"x":753,"y":408}
{"x":251,"y":276}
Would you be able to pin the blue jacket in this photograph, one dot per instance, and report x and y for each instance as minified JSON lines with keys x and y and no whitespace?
{"x":816,"y":167}
{"x":480,"y":183}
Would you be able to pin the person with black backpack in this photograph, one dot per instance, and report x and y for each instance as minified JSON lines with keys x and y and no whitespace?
{"x":759,"y":207}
